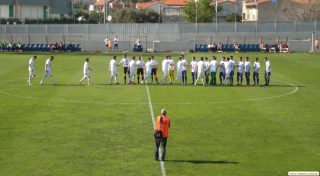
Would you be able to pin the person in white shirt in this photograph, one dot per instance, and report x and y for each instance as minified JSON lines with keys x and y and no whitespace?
{"x":31,"y":70}
{"x":227,"y":66}
{"x":201,"y":71}
{"x":140,"y":69}
{"x":222,"y":74}
{"x":240,"y":66}
{"x":154,"y":71}
{"x":86,"y":72}
{"x":116,"y":43}
{"x":138,"y":43}
{"x":165,"y":69}
{"x":48,"y":71}
{"x":232,"y":66}
{"x":132,"y":64}
{"x":193,"y":65}
{"x":206,"y":71}
{"x":256,"y":68}
{"x":184,"y":67}
{"x":179,"y":70}
{"x":268,"y":71}
{"x":125,"y":63}
{"x":148,"y":67}
{"x":172,"y":65}
{"x":247,"y":67}
{"x":106,"y":41}
{"x":213,"y":65}
{"x":113,"y":69}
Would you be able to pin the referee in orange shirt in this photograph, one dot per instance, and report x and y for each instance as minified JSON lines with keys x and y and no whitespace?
{"x":162,"y":125}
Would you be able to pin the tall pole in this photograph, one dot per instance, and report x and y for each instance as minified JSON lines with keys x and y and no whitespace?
{"x":235,"y":16}
{"x":197,"y":15}
{"x":105,"y":12}
{"x":216,"y":15}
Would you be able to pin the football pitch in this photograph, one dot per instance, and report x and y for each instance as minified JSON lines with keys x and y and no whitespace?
{"x":105,"y":129}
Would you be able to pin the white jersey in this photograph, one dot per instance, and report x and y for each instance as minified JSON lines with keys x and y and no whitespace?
{"x":201,"y":66}
{"x":193,"y":66}
{"x":106,"y":41}
{"x":227,"y":67}
{"x":184,"y":65}
{"x":165,"y":65}
{"x":154,"y":63}
{"x":232,"y":65}
{"x":240,"y":67}
{"x":48,"y":65}
{"x":125,"y":62}
{"x":113,"y":65}
{"x":31,"y":64}
{"x":171,"y":64}
{"x":213,"y":66}
{"x":132,"y":63}
{"x":148,"y":67}
{"x":206,"y":65}
{"x":268,"y":66}
{"x":116,"y":40}
{"x":247,"y":66}
{"x":222,"y":67}
{"x":179,"y":65}
{"x":256,"y":67}
{"x":86,"y":67}
{"x":140,"y":63}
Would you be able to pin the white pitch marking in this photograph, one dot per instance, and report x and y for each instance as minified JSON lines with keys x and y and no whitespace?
{"x":163,"y":170}
{"x":160,"y":103}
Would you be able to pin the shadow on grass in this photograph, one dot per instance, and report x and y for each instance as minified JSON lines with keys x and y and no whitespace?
{"x":202,"y":162}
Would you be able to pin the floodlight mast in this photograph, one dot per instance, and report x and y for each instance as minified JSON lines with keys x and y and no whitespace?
{"x":196,"y":1}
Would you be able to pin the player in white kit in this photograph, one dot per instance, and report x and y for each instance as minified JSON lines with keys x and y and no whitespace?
{"x":86,"y":72}
{"x":241,"y":67}
{"x":179,"y":70}
{"x":201,"y":67}
{"x":148,"y":67}
{"x":222,"y":74}
{"x":193,"y":64}
{"x":165,"y":69}
{"x":267,"y":72}
{"x":31,"y":70}
{"x":113,"y":69}
{"x":228,"y":71}
{"x":132,"y":65}
{"x":48,"y":71}
{"x":125,"y":61}
{"x":256,"y":68}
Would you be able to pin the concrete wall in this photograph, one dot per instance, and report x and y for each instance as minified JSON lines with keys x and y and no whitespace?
{"x":31,"y":11}
{"x":4,"y":11}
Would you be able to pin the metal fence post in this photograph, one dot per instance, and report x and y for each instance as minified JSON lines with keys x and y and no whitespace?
{"x":5,"y":32}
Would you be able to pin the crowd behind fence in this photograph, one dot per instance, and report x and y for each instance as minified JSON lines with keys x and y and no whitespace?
{"x":92,"y":36}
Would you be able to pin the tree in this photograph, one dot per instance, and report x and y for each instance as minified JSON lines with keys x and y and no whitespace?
{"x":309,"y":11}
{"x":232,"y":17}
{"x":206,"y":12}
{"x":129,"y":15}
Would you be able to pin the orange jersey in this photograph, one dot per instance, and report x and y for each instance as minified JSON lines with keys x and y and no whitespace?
{"x":163,"y":126}
{"x":109,"y":44}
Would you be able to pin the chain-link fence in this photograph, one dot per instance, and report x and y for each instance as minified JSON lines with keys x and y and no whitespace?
{"x":172,"y":36}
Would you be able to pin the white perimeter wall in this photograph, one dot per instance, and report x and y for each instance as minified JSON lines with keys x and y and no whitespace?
{"x":4,"y":11}
{"x":28,"y":11}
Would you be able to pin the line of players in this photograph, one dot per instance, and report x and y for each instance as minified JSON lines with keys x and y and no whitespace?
{"x":203,"y":70}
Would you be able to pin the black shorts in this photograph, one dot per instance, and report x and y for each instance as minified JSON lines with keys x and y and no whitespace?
{"x":125,"y":70}
{"x":116,"y":45}
{"x":140,"y":71}
{"x":154,"y":71}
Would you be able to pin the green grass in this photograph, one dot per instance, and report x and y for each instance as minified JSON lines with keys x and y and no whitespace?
{"x":107,"y":130}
